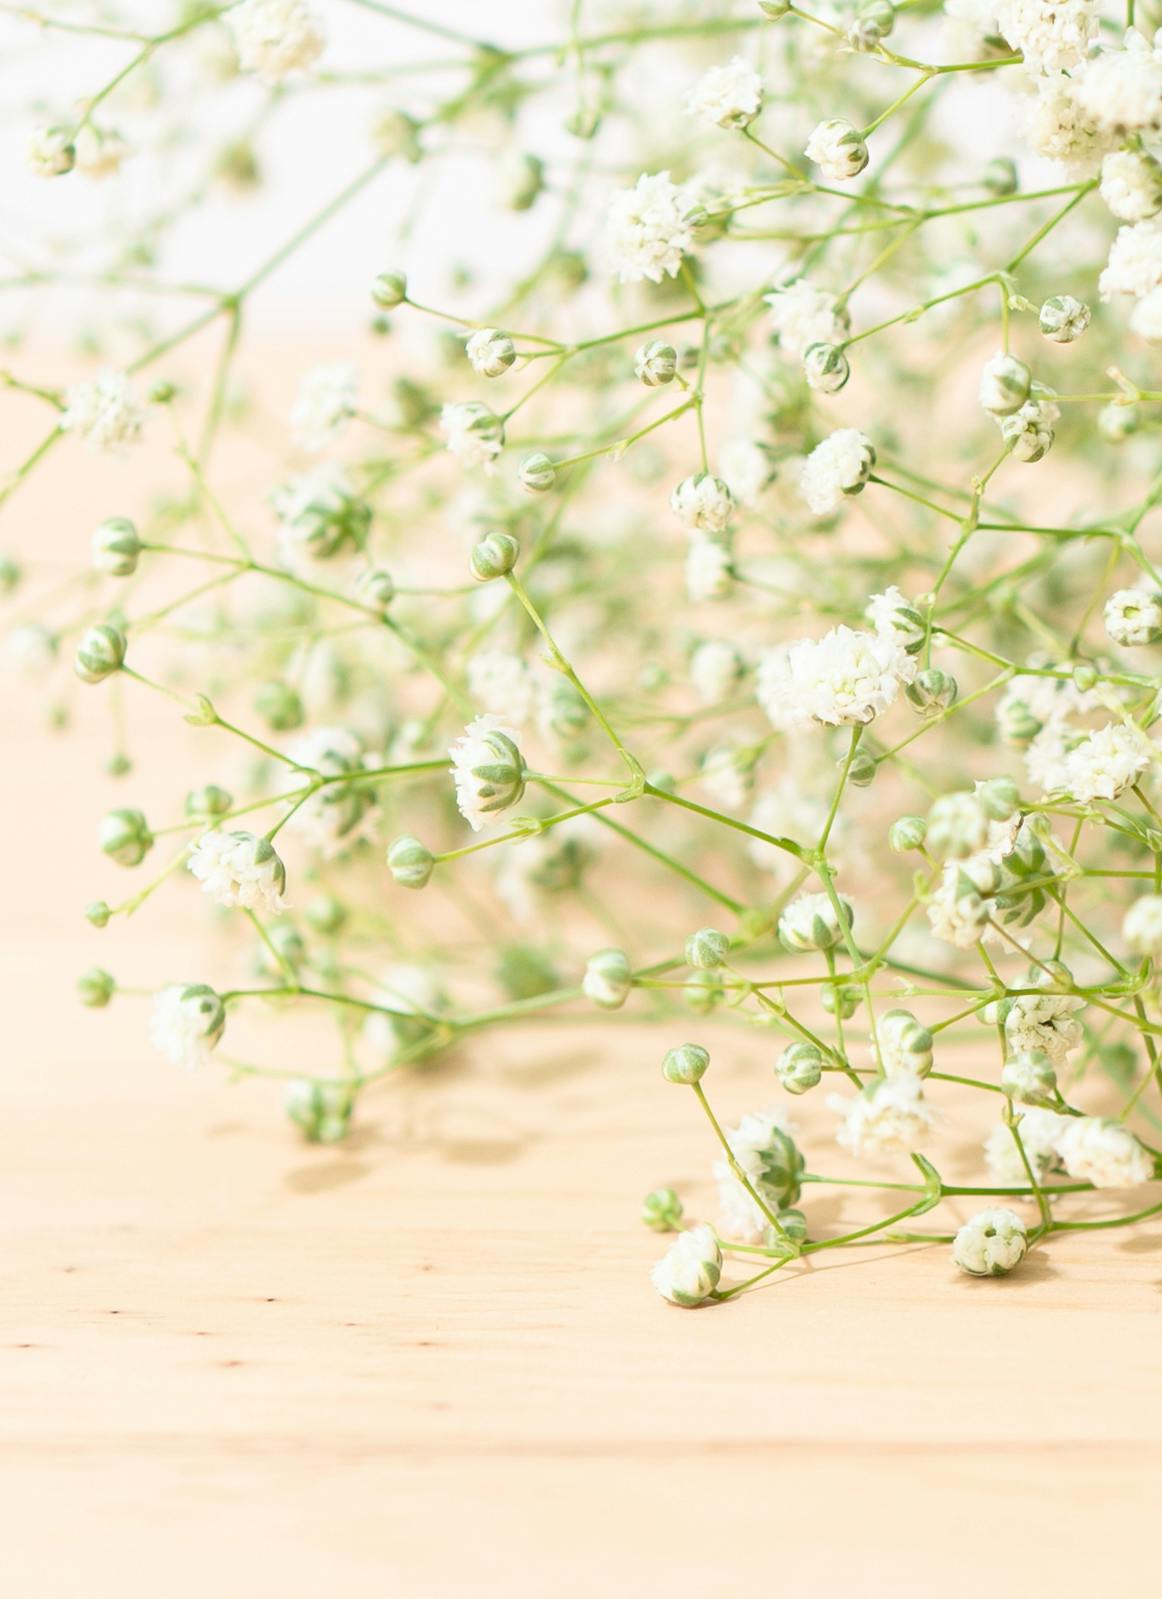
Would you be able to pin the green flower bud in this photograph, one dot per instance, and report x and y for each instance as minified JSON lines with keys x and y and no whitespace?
{"x":999,"y":798}
{"x":656,"y":363}
{"x":208,"y":802}
{"x":162,"y":392}
{"x":397,"y":134}
{"x":389,"y":290}
{"x":521,"y":180}
{"x":95,"y":988}
{"x":203,"y":713}
{"x":98,"y":913}
{"x":116,"y":547}
{"x":1084,"y":676}
{"x":1063,"y":319}
{"x":536,"y":473}
{"x":862,"y":769}
{"x":493,"y":556}
{"x":774,"y":8}
{"x":9,"y":574}
{"x":279,"y":706}
{"x":800,"y":1067}
{"x":322,"y":1111}
{"x":1016,"y":723}
{"x":1116,"y":422}
{"x":703,"y":992}
{"x":662,"y":1210}
{"x":874,"y":20}
{"x":125,"y":837}
{"x":907,"y":833}
{"x":100,"y":653}
{"x":932,"y":691}
{"x":608,"y":978}
{"x":410,"y":862}
{"x":327,"y":915}
{"x":119,"y":764}
{"x":1029,"y":1079}
{"x":687,"y":1064}
{"x":840,"y":999}
{"x":376,"y":588}
{"x":826,"y":367}
{"x":905,"y":1045}
{"x":1000,"y":176}
{"x":707,"y":948}
{"x":782,"y":1169}
{"x":1004,"y":384}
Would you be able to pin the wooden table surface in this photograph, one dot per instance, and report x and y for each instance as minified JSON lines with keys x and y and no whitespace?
{"x":430,"y":1362}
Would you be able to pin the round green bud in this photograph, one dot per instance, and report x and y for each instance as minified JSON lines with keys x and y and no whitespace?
{"x":656,"y":363}
{"x":95,"y":988}
{"x":1084,"y":676}
{"x":687,"y":1064}
{"x":906,"y":833}
{"x":376,"y":588}
{"x":840,"y":999}
{"x":410,"y":862}
{"x":9,"y":574}
{"x":522,"y":178}
{"x":98,"y":913}
{"x":209,"y":801}
{"x":116,"y":547}
{"x":125,"y":837}
{"x":279,"y":706}
{"x":397,"y":134}
{"x":664,"y":782}
{"x":999,"y":798}
{"x":1000,"y":176}
{"x":794,"y":1224}
{"x":782,"y":1169}
{"x":862,"y":769}
{"x":703,"y":992}
{"x":119,"y":764}
{"x":493,"y":556}
{"x":1030,"y":1079}
{"x":100,"y":653}
{"x":321,"y":1111}
{"x":707,"y":948}
{"x":162,"y":392}
{"x":826,"y":368}
{"x":608,"y":979}
{"x":774,"y":8}
{"x":203,"y":713}
{"x":389,"y":290}
{"x":1117,"y":422}
{"x":932,"y":691}
{"x":800,"y":1067}
{"x":326,"y":914}
{"x":536,"y":473}
{"x":662,"y":1210}
{"x":905,"y":1044}
{"x":874,"y":20}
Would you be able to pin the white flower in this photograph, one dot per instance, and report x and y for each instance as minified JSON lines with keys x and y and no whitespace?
{"x":690,"y":1269}
{"x":1142,"y":927}
{"x":745,"y":468}
{"x":715,"y":668}
{"x":187,"y":1021}
{"x":501,"y":683}
{"x":765,"y":1151}
{"x":275,"y":37}
{"x":1104,"y":1153}
{"x":488,"y":770}
{"x":802,"y":315}
{"x":30,"y":651}
{"x":1046,"y":1022}
{"x":1063,"y":318}
{"x":1131,"y":185}
{"x":51,"y":152}
{"x":1051,"y":37}
{"x":490,"y":352}
{"x":990,"y":1243}
{"x":340,"y":813}
{"x":896,"y":618}
{"x":474,"y":434}
{"x":1029,"y":431}
{"x":648,"y":229}
{"x":726,"y":772}
{"x":1058,"y":127}
{"x":708,"y":575}
{"x":837,"y":149}
{"x":105,"y":413}
{"x":959,"y":909}
{"x":1146,"y":317}
{"x":608,"y":979}
{"x":703,"y":503}
{"x":1134,"y":616}
{"x":239,"y":869}
{"x":890,"y":1116}
{"x":325,"y":404}
{"x":845,"y":677}
{"x":841,"y":464}
{"x":729,"y":96}
{"x":1121,"y":90}
{"x":1135,"y":261}
{"x":1040,"y":1132}
{"x":1106,"y":762}
{"x":320,"y":516}
{"x":810,"y":922}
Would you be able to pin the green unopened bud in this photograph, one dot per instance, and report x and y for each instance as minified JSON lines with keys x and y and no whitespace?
{"x":861,"y":770}
{"x":800,"y":1067}
{"x":1004,"y":384}
{"x":279,"y":706}
{"x":999,"y":797}
{"x":98,"y":913}
{"x":662,"y":1210}
{"x":1117,"y":422}
{"x":1000,"y":176}
{"x":703,"y":992}
{"x":322,"y":1111}
{"x":493,"y":556}
{"x":327,"y":915}
{"x":1063,"y":319}
{"x":874,"y":20}
{"x":774,"y":8}
{"x":905,"y":1044}
{"x":826,"y":368}
{"x":410,"y":862}
{"x":116,"y":547}
{"x":1084,"y":676}
{"x":906,"y":833}
{"x":840,"y":999}
{"x":656,"y":363}
{"x":397,"y":134}
{"x":376,"y":588}
{"x":932,"y":691}
{"x":118,"y":764}
{"x":1029,"y":1079}
{"x":389,"y":290}
{"x":687,"y":1064}
{"x":208,"y":802}
{"x":608,"y":978}
{"x":707,"y":948}
{"x":125,"y":837}
{"x":100,"y":653}
{"x":520,"y":181}
{"x":536,"y":473}
{"x":9,"y":574}
{"x":95,"y":988}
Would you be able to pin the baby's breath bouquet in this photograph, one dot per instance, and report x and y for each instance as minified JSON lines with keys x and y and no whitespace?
{"x":711,"y":574}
